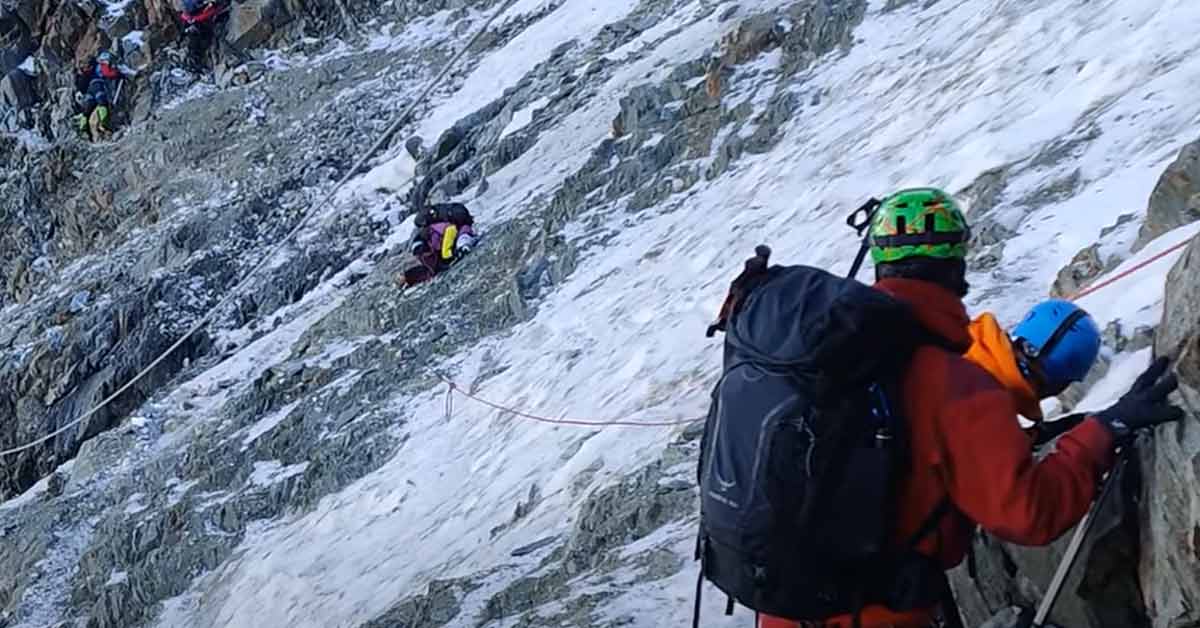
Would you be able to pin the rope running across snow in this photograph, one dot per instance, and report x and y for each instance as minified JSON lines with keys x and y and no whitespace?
{"x":453,"y":388}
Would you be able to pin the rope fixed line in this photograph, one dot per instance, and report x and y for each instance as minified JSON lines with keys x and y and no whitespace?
{"x":453,"y":387}
{"x":244,"y":281}
{"x":1096,"y":287}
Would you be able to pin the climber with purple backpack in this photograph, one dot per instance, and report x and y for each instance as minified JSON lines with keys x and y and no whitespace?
{"x":443,"y":233}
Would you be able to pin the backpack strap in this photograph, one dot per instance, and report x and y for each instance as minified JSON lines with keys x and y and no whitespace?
{"x":951,"y":617}
{"x":930,"y":524}
{"x":950,"y":612}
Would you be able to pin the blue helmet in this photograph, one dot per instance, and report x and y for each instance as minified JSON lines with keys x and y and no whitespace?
{"x":1060,"y":340}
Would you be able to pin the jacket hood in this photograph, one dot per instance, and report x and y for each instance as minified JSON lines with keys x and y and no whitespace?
{"x":937,"y":309}
{"x":992,"y":349}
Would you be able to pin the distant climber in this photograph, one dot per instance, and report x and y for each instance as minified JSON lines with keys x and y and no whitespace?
{"x":200,"y":18}
{"x":97,"y":86}
{"x":850,"y":449}
{"x":443,"y":233}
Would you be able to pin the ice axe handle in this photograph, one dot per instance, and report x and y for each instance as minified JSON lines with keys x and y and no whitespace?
{"x":1025,"y":620}
{"x":859,"y":220}
{"x":1081,"y":532}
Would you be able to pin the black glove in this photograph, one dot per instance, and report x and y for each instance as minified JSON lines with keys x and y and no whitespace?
{"x":1145,"y":405}
{"x":1047,"y":431}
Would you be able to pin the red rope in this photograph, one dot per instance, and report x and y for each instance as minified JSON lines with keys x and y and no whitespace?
{"x":1127,"y":272}
{"x":541,"y":419}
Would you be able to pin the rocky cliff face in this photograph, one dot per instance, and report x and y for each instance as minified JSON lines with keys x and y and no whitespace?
{"x":1137,"y":567}
{"x":296,"y":462}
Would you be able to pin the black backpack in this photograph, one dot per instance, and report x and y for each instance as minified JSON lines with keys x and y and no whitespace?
{"x":802,"y":447}
{"x":454,"y":213}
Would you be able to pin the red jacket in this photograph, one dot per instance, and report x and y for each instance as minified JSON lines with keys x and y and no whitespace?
{"x":966,"y":443}
{"x":205,"y":14}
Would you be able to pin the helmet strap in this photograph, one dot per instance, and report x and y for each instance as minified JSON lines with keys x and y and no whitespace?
{"x":1029,"y":357}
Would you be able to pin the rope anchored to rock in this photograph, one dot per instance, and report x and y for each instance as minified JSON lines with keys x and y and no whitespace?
{"x":1096,"y":287}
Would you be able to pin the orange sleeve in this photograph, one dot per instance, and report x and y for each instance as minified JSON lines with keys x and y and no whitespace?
{"x":993,"y":478}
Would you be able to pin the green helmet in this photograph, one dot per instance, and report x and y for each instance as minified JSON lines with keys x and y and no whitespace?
{"x":919,"y":222}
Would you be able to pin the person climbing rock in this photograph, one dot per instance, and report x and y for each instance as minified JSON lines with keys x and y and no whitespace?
{"x":1038,"y":360}
{"x":442,"y":235}
{"x":96,"y":83}
{"x":454,"y":213}
{"x":851,"y":449}
{"x":200,"y":18}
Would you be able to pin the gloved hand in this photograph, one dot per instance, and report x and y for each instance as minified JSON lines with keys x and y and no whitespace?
{"x":464,"y":244}
{"x":1145,"y":405}
{"x":1047,"y":431}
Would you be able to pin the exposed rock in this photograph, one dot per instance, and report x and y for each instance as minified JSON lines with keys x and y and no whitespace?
{"x":892,"y":5}
{"x":1102,"y":590}
{"x":252,"y":22}
{"x":751,"y":37}
{"x":1054,"y":191}
{"x":1175,"y":200}
{"x":1085,"y":266}
{"x":1170,"y":548}
{"x":436,"y":607}
{"x":984,"y":193}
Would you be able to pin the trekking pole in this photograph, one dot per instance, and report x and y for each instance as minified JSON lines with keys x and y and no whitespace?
{"x":1068,"y":560}
{"x":867,"y":212}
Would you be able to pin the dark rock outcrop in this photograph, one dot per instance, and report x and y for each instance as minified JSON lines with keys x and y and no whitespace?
{"x":1175,"y":200}
{"x":1170,"y":524}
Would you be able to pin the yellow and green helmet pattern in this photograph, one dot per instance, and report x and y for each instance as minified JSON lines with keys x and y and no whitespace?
{"x":919,"y":222}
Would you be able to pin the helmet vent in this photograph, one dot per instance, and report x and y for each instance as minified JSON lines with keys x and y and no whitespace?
{"x":929,"y":223}
{"x":901,"y":225}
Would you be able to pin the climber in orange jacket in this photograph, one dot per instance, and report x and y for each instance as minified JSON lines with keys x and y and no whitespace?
{"x":1069,"y":360}
{"x":965,"y":446}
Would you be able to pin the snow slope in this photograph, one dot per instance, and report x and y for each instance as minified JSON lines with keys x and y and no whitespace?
{"x":925,"y":96}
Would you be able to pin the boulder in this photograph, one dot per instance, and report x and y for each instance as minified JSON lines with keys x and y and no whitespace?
{"x":1175,"y":200}
{"x":17,"y":90}
{"x":252,"y":22}
{"x":1084,"y":267}
{"x":750,"y":38}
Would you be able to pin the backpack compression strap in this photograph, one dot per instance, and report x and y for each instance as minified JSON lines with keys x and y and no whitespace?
{"x":950,"y":612}
{"x":930,"y":524}
{"x":753,"y":274}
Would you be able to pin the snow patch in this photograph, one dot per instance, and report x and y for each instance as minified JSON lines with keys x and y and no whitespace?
{"x":117,"y":577}
{"x":268,"y":423}
{"x":524,"y":117}
{"x":273,"y":472}
{"x":136,"y":504}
